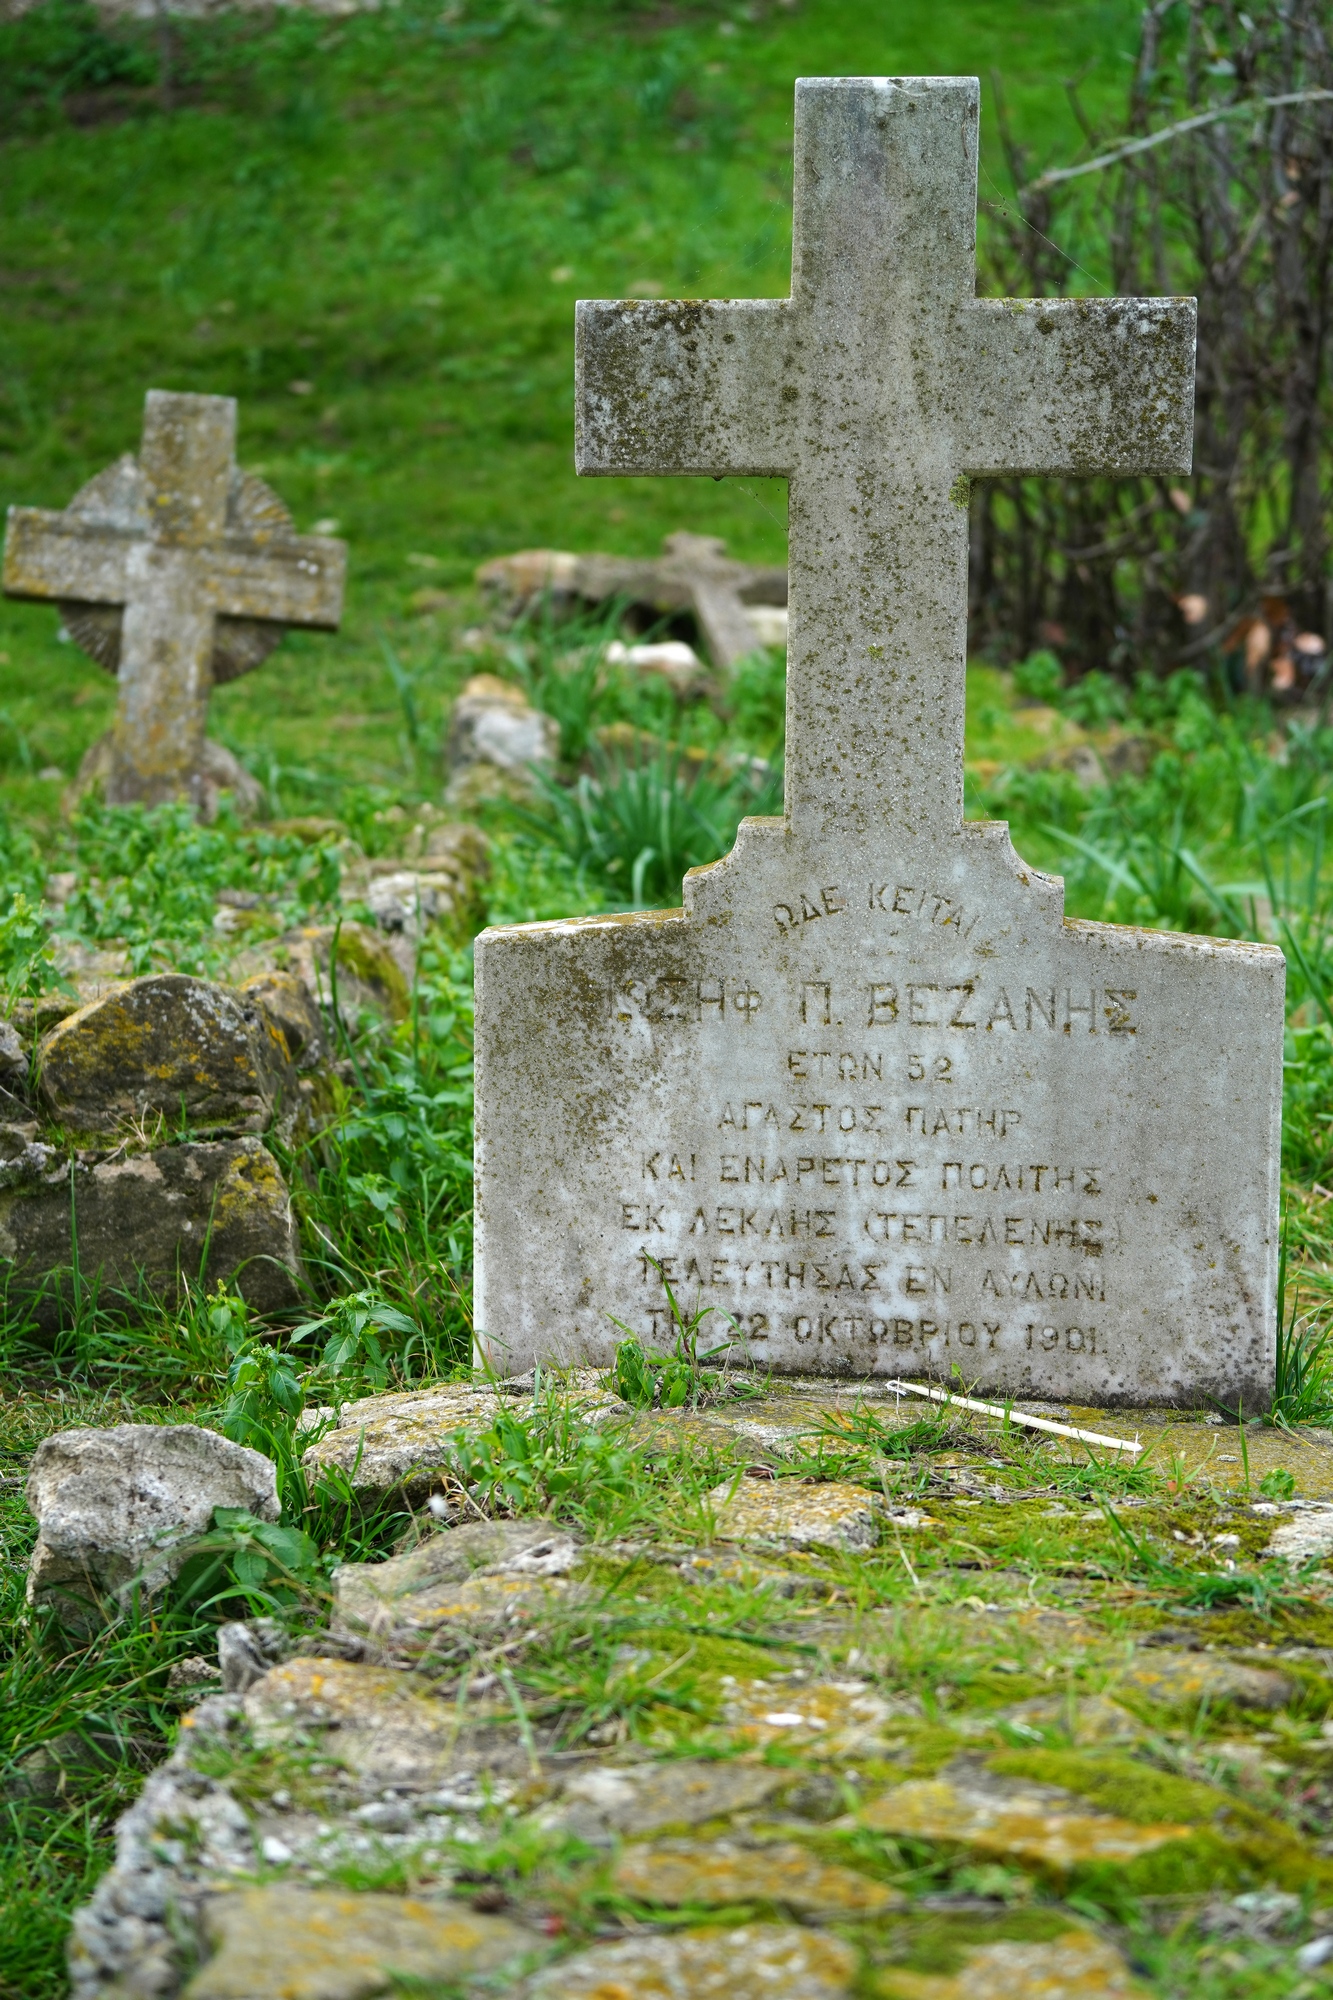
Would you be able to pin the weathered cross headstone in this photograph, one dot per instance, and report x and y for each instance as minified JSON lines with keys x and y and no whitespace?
{"x":174,"y":570}
{"x":869,"y":1091}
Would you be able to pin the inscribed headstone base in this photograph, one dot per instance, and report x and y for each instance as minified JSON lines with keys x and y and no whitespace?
{"x":892,"y":1114}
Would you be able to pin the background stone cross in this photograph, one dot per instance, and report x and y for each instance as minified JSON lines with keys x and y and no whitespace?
{"x":174,"y":570}
{"x":877,"y":388}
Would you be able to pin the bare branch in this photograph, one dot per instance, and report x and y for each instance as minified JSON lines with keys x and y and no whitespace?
{"x":1169,"y":132}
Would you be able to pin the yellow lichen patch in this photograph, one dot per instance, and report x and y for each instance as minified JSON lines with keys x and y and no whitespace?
{"x":1077,"y":1966}
{"x":324,"y":1945}
{"x":834,"y":1717}
{"x":1040,"y":1827}
{"x":753,"y":1962}
{"x":694,"y":1871}
{"x":784,"y":1513}
{"x":1183,"y":1679}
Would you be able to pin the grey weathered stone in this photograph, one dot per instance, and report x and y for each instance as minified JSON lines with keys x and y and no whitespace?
{"x":115,"y":1508}
{"x":212,"y":1209}
{"x":461,"y":1580}
{"x":492,"y":722}
{"x":247,"y":1648}
{"x":288,"y":1002}
{"x":174,"y":569}
{"x":369,"y":978}
{"x":404,"y":1441}
{"x":869,"y":1091}
{"x":285,"y":1943}
{"x":753,"y":1962}
{"x":13,"y":1065}
{"x":217,"y":771}
{"x":167,"y":1048}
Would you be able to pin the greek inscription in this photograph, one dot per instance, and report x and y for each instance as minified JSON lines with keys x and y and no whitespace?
{"x":809,"y":908}
{"x":961,"y":1122}
{"x":669,"y":998}
{"x":1014,"y":1175}
{"x":930,"y":905}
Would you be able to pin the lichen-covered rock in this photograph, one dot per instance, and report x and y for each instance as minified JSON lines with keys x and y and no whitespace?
{"x":384,"y":1728}
{"x":832,"y":1718}
{"x":1078,"y":1965}
{"x":784,"y":1513}
{"x":486,"y":1574}
{"x":165,"y":1051}
{"x":753,"y":1962}
{"x":364,"y":973}
{"x":115,"y":1508}
{"x":1015,"y":1821}
{"x":404,"y":1441}
{"x":288,"y":1001}
{"x":1182,"y":1680}
{"x":206,"y":1210}
{"x":638,"y":1799}
{"x":718,"y":1871}
{"x":285,"y":1943}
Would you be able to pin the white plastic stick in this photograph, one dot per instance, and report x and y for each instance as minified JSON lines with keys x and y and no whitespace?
{"x":1015,"y":1416}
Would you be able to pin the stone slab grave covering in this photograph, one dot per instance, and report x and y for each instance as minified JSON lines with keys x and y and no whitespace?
{"x":174,"y":570}
{"x":870,"y":1091}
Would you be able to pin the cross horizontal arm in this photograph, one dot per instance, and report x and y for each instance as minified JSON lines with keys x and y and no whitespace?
{"x":1080,"y":386}
{"x":50,"y":555}
{"x":294,"y":582}
{"x":682,"y":385}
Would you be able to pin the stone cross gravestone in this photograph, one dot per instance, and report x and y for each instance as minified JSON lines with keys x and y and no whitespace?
{"x":174,"y":570}
{"x":870,"y":1092}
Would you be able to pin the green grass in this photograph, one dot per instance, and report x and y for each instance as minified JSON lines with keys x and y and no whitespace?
{"x":399,"y":211}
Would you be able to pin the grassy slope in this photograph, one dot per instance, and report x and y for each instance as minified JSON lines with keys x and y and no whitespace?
{"x":376,"y":209}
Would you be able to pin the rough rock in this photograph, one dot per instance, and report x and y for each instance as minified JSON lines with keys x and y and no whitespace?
{"x":486,"y":1574}
{"x":13,"y":1066}
{"x":289,"y":1003}
{"x":1015,"y":1821}
{"x":1075,"y":1966}
{"x":218,"y":770}
{"x":639,"y":1799}
{"x":24,"y":1157}
{"x":832,"y":1718}
{"x":212,"y":1209}
{"x":1181,"y":1680}
{"x":403,"y":1441}
{"x":369,"y":977}
{"x":1307,"y":1537}
{"x":783,"y":1513}
{"x":385,"y":1728}
{"x":492,"y":722}
{"x":115,"y":1507}
{"x":286,"y":1943}
{"x":753,"y":1962}
{"x":1092,"y":1718}
{"x":696,"y":1871}
{"x":167,"y":1048}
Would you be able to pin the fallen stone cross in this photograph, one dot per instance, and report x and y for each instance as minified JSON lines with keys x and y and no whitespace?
{"x":174,"y":570}
{"x":694,"y":573}
{"x":870,"y":1092}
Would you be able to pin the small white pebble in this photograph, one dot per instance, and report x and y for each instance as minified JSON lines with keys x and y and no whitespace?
{"x":274,"y":1850}
{"x":1226,"y":1541}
